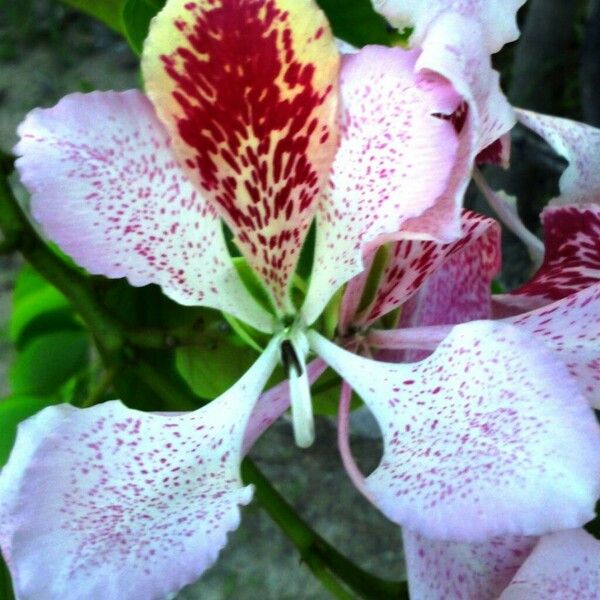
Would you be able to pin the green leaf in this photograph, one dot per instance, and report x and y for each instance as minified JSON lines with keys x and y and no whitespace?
{"x":49,"y":361}
{"x":37,"y":307}
{"x":6,"y":591}
{"x":356,"y":22}
{"x":216,"y":363}
{"x":326,"y":395}
{"x":107,"y":11}
{"x":13,"y":410}
{"x":136,"y":18}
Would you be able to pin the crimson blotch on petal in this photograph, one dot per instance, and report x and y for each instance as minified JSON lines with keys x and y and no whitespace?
{"x":248,"y":91}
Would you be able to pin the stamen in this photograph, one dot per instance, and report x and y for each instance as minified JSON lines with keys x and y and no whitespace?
{"x":302,"y":413}
{"x":293,"y":357}
{"x":289,"y":358}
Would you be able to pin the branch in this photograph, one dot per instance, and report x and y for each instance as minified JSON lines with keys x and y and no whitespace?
{"x":314,"y":550}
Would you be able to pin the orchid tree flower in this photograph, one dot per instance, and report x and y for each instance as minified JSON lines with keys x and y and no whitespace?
{"x":562,"y":304}
{"x":251,"y":119}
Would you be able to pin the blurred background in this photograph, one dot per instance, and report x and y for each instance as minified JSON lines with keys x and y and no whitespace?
{"x":48,"y":49}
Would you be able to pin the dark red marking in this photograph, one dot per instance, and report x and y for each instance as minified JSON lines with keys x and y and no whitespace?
{"x":572,"y":258}
{"x":227,"y":87}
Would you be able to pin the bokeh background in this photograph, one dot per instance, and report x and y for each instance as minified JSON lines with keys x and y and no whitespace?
{"x":48,"y":50}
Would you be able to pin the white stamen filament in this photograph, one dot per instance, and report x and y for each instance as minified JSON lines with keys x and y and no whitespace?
{"x":412,"y":338}
{"x":302,"y":412}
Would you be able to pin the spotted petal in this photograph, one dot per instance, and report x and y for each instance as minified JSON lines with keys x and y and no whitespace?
{"x":248,"y":91}
{"x":497,"y":18}
{"x":107,"y":189}
{"x":114,"y":504}
{"x":572,"y":256}
{"x":455,"y":48}
{"x":410,"y":263}
{"x":395,"y":161}
{"x":488,"y":436}
{"x":570,"y":328}
{"x":442,"y":570}
{"x":580,"y":145}
{"x":564,"y":565}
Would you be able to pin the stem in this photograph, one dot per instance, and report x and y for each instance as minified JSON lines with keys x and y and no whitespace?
{"x":509,"y":216}
{"x":104,"y":384}
{"x":73,"y":285}
{"x":313,"y":549}
{"x":8,"y":246}
{"x":160,"y":339}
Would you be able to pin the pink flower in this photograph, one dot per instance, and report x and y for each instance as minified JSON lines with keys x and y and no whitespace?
{"x":254,"y":119}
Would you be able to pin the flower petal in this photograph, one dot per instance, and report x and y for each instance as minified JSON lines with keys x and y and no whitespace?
{"x":442,"y":570}
{"x":572,"y":256}
{"x":497,"y":18}
{"x":488,"y":436}
{"x":393,"y":139}
{"x":458,"y":292}
{"x":411,"y":262}
{"x":107,"y":189}
{"x":115,"y":504}
{"x":570,"y":328}
{"x":563,"y":565}
{"x":577,"y":143}
{"x":247,"y":89}
{"x":455,"y":48}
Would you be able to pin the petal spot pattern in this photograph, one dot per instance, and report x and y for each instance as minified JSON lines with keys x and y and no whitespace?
{"x":107,"y":188}
{"x":248,"y":90}
{"x":487,"y":436}
{"x":110,"y":499}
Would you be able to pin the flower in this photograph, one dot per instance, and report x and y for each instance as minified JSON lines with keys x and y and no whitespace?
{"x":242,"y":124}
{"x":558,"y":308}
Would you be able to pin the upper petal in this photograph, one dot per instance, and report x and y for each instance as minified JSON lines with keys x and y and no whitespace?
{"x":107,"y":189}
{"x":580,"y":145}
{"x":248,"y":91}
{"x":455,"y":48}
{"x":395,"y":160}
{"x":442,"y":570}
{"x":488,"y":436}
{"x":497,"y":18}
{"x":458,"y":291}
{"x":114,"y":504}
{"x":563,"y":565}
